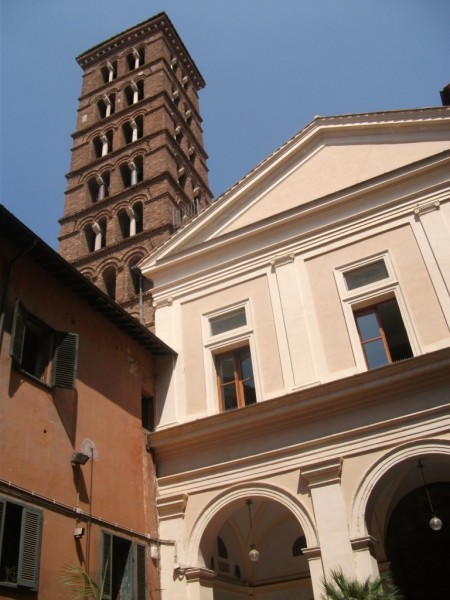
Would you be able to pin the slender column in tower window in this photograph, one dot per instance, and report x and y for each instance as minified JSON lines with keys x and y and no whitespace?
{"x":108,"y":105}
{"x":105,"y":145}
{"x":132,"y":216}
{"x":134,"y":128}
{"x":135,"y":89}
{"x":133,"y":173}
{"x":98,"y":236}
{"x":101,"y":192}
{"x":110,"y":68}
{"x":136,"y":58}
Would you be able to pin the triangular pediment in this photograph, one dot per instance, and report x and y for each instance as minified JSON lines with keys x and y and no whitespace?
{"x":330,"y":155}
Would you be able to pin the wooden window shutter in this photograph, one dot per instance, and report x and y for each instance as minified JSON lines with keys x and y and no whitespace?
{"x":2,"y":524}
{"x":140,"y":572}
{"x":30,"y":543}
{"x":107,"y":567}
{"x":18,"y":333}
{"x":65,"y":360}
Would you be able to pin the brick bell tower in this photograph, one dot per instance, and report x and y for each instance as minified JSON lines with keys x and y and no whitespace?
{"x":138,"y":168}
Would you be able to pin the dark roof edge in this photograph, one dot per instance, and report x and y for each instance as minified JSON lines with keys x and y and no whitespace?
{"x":12,"y":229}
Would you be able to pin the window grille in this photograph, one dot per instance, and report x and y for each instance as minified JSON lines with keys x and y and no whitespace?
{"x":362,"y":276}
{"x":231,"y":320}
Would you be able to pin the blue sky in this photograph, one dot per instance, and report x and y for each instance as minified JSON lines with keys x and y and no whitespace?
{"x":270,"y":66}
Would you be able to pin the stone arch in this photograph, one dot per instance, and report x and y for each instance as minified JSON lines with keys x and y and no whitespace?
{"x":89,"y":273}
{"x":223,"y":504}
{"x":126,"y":118}
{"x":408,"y":452}
{"x":102,"y":266}
{"x":106,"y":166}
{"x":103,"y":214}
{"x":138,"y":252}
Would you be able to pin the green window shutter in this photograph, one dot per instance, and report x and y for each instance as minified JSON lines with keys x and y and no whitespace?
{"x":18,"y":333}
{"x":65,"y":360}
{"x":107,"y":566}
{"x":2,"y":524}
{"x":30,"y":543}
{"x":140,"y":572}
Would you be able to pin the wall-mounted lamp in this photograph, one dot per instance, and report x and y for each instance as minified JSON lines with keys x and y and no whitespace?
{"x":253,"y":554}
{"x":78,"y":532}
{"x":78,"y":458}
{"x":435,"y":521}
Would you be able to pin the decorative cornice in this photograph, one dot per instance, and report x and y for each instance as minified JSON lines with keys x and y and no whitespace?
{"x":421,"y":209}
{"x":159,"y":23}
{"x":280,"y":261}
{"x":167,"y":255}
{"x":305,"y":406}
{"x":325,"y":473}
{"x":164,"y":302}
{"x":365,"y":543}
{"x":194,"y":574}
{"x":172,"y":507}
{"x":312,"y":553}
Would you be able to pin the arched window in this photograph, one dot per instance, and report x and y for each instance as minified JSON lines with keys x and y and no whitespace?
{"x":221,"y":548}
{"x":136,"y":280}
{"x":181,"y":175}
{"x":109,"y":281}
{"x":106,"y":106}
{"x":103,"y":144}
{"x":132,"y":172}
{"x":136,"y":58}
{"x":134,"y":92}
{"x":124,"y":222}
{"x":99,"y":186}
{"x":90,"y":238}
{"x":137,"y":209}
{"x":132,"y":130}
{"x":109,"y":71}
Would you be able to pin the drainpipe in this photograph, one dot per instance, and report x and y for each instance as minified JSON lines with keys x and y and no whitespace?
{"x":6,"y":288}
{"x":141,"y":299}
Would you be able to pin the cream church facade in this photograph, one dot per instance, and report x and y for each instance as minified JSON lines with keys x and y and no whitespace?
{"x":307,"y":413}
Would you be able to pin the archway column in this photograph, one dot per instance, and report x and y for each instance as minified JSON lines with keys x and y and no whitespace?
{"x":315,"y":570}
{"x":199,"y":584}
{"x":364,"y":554}
{"x":324,"y":481}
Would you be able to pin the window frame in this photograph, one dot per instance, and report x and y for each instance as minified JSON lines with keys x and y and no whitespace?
{"x":138,"y":568}
{"x":366,"y":297}
{"x":61,"y":355}
{"x":29,"y":551}
{"x":238,"y":381}
{"x":223,"y":343}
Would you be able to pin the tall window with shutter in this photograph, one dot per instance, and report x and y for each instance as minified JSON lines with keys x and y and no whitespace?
{"x":124,"y":572}
{"x":41,"y":352}
{"x":20,"y":541}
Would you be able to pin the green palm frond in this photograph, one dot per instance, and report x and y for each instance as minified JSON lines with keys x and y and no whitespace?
{"x":340,"y":587}
{"x":81,"y":584}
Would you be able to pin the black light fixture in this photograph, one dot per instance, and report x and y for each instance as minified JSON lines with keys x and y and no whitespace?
{"x":435,"y":521}
{"x":253,"y":554}
{"x":78,"y":458}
